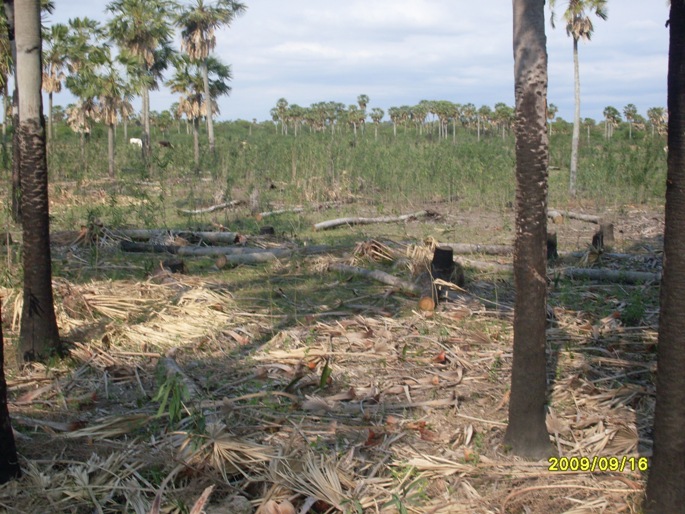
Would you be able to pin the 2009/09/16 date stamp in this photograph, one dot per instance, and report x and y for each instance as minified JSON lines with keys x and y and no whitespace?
{"x":594,"y":464}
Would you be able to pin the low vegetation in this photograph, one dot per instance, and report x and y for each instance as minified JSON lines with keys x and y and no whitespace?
{"x":288,"y":384}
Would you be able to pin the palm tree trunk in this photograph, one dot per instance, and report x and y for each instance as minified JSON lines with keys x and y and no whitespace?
{"x":208,"y":100}
{"x":50,"y":116}
{"x":196,"y":144}
{"x":110,"y":150}
{"x":146,"y":125}
{"x":575,"y":138}
{"x":16,"y":182}
{"x":665,"y":491}
{"x":527,"y":432}
{"x":125,"y":130}
{"x":38,"y":337}
{"x":9,"y":464}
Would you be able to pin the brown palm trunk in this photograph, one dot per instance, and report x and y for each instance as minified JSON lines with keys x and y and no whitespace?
{"x":666,"y":482}
{"x":9,"y":464}
{"x":38,"y":337}
{"x":527,"y":432}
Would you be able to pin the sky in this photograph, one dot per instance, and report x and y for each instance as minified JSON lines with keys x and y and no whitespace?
{"x":399,"y":52}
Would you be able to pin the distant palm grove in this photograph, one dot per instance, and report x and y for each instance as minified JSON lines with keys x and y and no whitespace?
{"x":436,"y":148}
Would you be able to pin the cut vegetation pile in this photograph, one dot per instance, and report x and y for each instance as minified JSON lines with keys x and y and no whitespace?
{"x":299,"y":387}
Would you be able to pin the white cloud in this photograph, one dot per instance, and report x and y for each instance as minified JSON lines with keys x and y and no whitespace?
{"x":402,"y":51}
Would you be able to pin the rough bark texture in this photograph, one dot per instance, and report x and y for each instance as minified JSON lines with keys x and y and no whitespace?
{"x":666,"y":483}
{"x":9,"y":464}
{"x":39,"y":336}
{"x":527,"y":432}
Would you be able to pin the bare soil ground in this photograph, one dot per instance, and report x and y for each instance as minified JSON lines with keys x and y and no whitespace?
{"x":299,"y":387}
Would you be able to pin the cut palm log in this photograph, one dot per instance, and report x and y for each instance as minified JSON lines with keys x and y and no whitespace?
{"x":193,"y":237}
{"x":325,"y":225}
{"x":610,"y":275}
{"x":230,"y":255}
{"x":133,"y":247}
{"x":227,"y":205}
{"x":485,"y":265}
{"x":379,"y":276}
{"x":465,"y":249}
{"x":559,"y":215}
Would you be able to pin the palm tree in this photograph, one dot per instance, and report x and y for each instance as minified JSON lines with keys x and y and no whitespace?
{"x":85,"y":53}
{"x":114,"y":97}
{"x":39,"y":336}
{"x":611,"y":120}
{"x":142,"y":29}
{"x":376,"y":116}
{"x":484,"y":118}
{"x":578,"y":26}
{"x":665,"y":490}
{"x":282,"y":114}
{"x":527,"y":432}
{"x":55,"y":45}
{"x":630,"y":112}
{"x":189,"y":82}
{"x":657,"y":119}
{"x":198,"y":24}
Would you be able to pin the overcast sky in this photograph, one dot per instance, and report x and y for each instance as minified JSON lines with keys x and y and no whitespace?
{"x":399,"y":52}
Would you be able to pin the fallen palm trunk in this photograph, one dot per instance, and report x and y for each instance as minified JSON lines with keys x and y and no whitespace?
{"x":464,"y":249}
{"x":325,"y":225}
{"x":227,"y":205}
{"x":234,"y":255}
{"x":134,"y":247}
{"x":379,"y":276}
{"x":609,"y":275}
{"x":207,"y":237}
{"x":279,"y":211}
{"x":557,"y":215}
{"x":485,"y":265}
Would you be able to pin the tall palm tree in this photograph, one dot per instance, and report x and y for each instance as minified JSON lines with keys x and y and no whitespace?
{"x":198,"y":23}
{"x":189,"y":82}
{"x":39,"y":336}
{"x":611,"y":120}
{"x":578,"y":26}
{"x":55,"y":46}
{"x":114,"y":96}
{"x":527,"y":432}
{"x":657,"y":119}
{"x":376,"y":116}
{"x":85,"y":53}
{"x":665,"y":485}
{"x":143,"y":29}
{"x":630,"y":112}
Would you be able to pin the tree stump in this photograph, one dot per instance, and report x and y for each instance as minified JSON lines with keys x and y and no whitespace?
{"x":552,"y":252}
{"x":443,"y":267}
